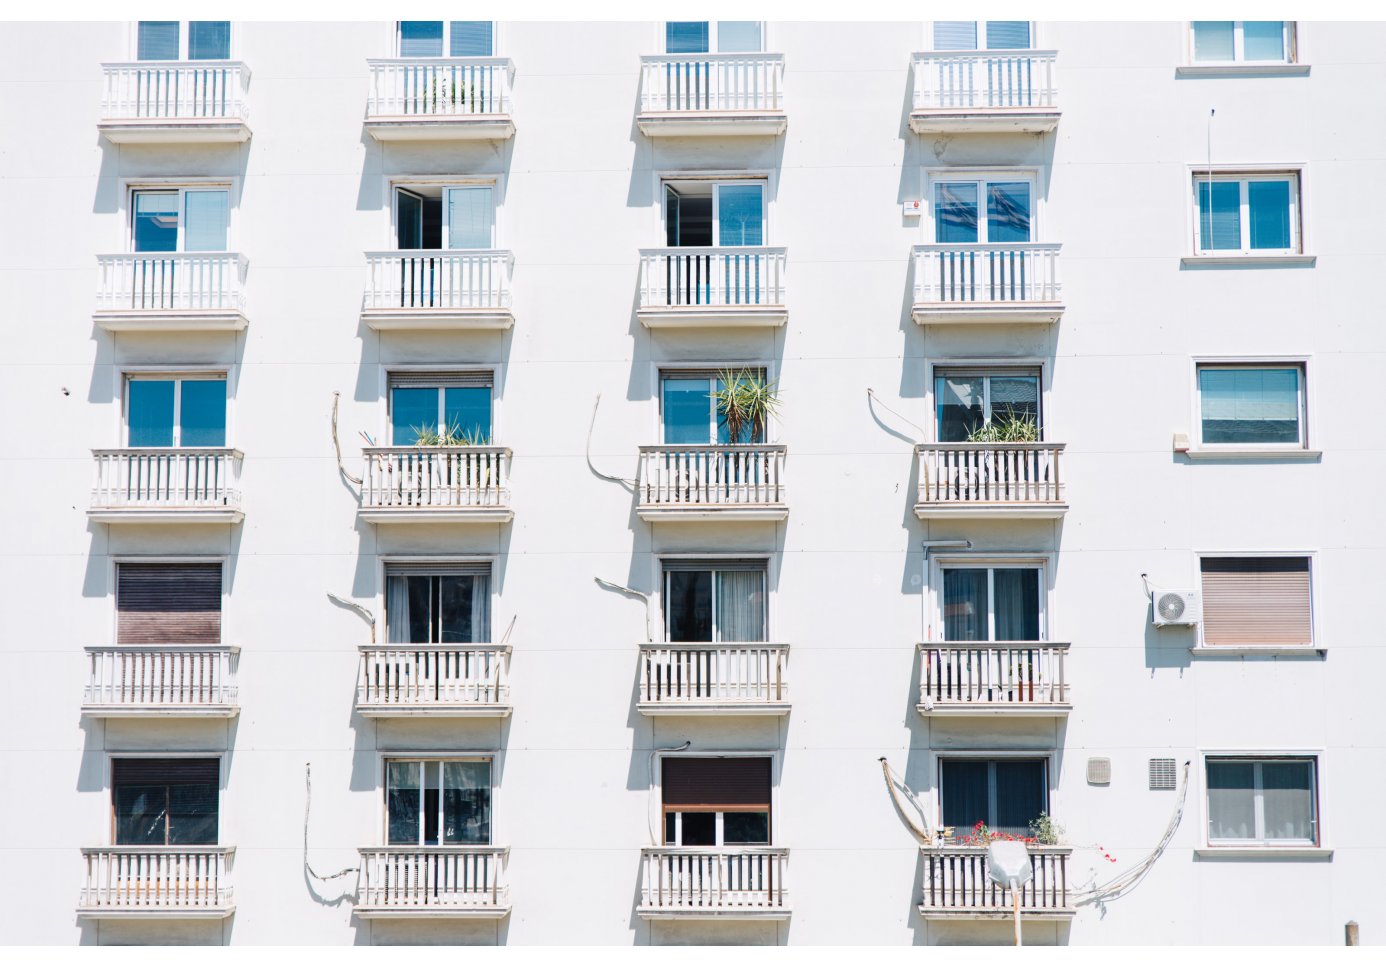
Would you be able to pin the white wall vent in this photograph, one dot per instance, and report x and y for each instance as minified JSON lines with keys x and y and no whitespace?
{"x":1099,"y":769}
{"x":1161,"y":774}
{"x":1175,"y":607}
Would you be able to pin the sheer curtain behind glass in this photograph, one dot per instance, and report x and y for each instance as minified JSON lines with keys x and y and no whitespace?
{"x":741,"y":606}
{"x":1017,"y":604}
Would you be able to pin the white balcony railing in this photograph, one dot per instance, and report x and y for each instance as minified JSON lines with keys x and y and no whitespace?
{"x":184,"y":479}
{"x":438,"y":280}
{"x":711,"y":83}
{"x":436,"y":478}
{"x":174,"y":91}
{"x":154,"y":881}
{"x":714,"y":881}
{"x":438,"y":880}
{"x":1000,"y":676}
{"x":726,"y":675}
{"x":964,"y":475}
{"x":961,"y":275}
{"x":695,"y":477}
{"x":439,"y":88}
{"x":956,"y":884}
{"x":171,"y":283}
{"x":743,"y":277}
{"x":161,"y":679}
{"x":419,"y":679}
{"x":984,"y":80}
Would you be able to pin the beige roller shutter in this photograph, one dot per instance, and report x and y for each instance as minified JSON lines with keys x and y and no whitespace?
{"x":1256,"y":601}
{"x":168,"y":603}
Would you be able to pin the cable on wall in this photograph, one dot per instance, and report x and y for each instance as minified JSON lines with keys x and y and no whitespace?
{"x":367,"y":616}
{"x":649,"y":821}
{"x":307,"y":810}
{"x":592,"y":467}
{"x":872,"y":398}
{"x":612,"y":586}
{"x":341,"y":468}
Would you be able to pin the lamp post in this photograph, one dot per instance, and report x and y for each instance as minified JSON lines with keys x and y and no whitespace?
{"x":1008,"y":865}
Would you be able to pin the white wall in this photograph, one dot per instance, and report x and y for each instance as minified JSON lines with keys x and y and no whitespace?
{"x":579,"y":198}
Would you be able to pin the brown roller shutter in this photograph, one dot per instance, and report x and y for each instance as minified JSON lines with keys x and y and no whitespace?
{"x":178,"y":769}
{"x":1256,"y":601}
{"x":724,"y":782}
{"x":168,"y":603}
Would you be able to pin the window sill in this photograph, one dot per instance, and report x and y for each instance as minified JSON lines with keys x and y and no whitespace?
{"x":1250,"y":453}
{"x":1242,"y":70}
{"x":1254,"y":852}
{"x":1242,"y":651}
{"x":1239,"y":259}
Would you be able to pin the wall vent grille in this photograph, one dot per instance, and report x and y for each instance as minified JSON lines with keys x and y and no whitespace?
{"x":1161,"y":774}
{"x":1099,"y":769}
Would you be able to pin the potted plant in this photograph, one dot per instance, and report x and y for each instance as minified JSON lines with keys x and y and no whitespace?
{"x":468,"y":473}
{"x":445,"y":94}
{"x":746,"y":401}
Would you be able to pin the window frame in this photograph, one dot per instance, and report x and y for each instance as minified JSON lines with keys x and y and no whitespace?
{"x":1306,"y":436}
{"x":386,"y":410}
{"x":662,"y":38}
{"x":385,"y":757}
{"x":383,"y":563}
{"x":125,"y":375}
{"x":108,"y":782}
{"x":980,"y":176}
{"x":717,"y":185}
{"x":717,"y":639}
{"x":1049,"y":755}
{"x":184,"y":39}
{"x":657,"y":566}
{"x":1313,"y":647}
{"x":659,"y":210}
{"x":396,"y":37}
{"x":413,"y":183}
{"x":672,"y":372}
{"x":657,"y":789}
{"x":112,"y":585}
{"x":988,"y":370}
{"x":1244,"y":175}
{"x":1251,"y":848}
{"x":1289,"y":31}
{"x":130,"y":187}
{"x":934,"y":603}
{"x":929,"y":40}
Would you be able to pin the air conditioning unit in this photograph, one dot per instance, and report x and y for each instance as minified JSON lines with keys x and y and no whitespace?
{"x":1175,"y":607}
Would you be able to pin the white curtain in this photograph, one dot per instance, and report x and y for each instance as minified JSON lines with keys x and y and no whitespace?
{"x":741,"y":606}
{"x":481,"y":608}
{"x":397,"y":608}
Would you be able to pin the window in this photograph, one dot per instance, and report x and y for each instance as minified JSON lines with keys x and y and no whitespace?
{"x":431,"y":405}
{"x":432,"y":802}
{"x":437,"y":603}
{"x":1002,"y":603}
{"x":1247,"y":214}
{"x":171,"y":40}
{"x":1270,"y":802}
{"x":450,"y":38}
{"x":715,"y":801}
{"x":706,"y":213}
{"x":1251,"y":405}
{"x":166,"y":410}
{"x":995,"y":34}
{"x":716,"y":36}
{"x":689,"y":409}
{"x":1257,"y":601}
{"x":958,"y":217}
{"x":165,"y":802}
{"x":967,"y":400}
{"x":1004,"y":793}
{"x":714,"y":601}
{"x":445,"y":217}
{"x":168,"y":603}
{"x":1243,"y":41}
{"x":179,"y":219}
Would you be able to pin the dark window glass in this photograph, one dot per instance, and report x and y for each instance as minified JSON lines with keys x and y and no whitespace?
{"x":745,"y":828}
{"x":1017,"y":604}
{"x":1020,"y":795}
{"x":699,"y":830}
{"x":965,"y":605}
{"x":689,"y":607}
{"x":966,"y":796}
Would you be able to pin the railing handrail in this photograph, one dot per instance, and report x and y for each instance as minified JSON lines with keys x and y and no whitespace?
{"x":1009,"y":644}
{"x":505,"y":62}
{"x":719,"y":56}
{"x":165,"y":647}
{"x":718,"y":851}
{"x":129,"y":451}
{"x":148,"y":849}
{"x":715,"y":448}
{"x":161,"y":256}
{"x":988,"y":247}
{"x":156,"y":65}
{"x":978,"y":445}
{"x":441,"y":254}
{"x":418,"y":449}
{"x":443,"y":849}
{"x":982,"y":54}
{"x":711,"y":646}
{"x":500,"y":648}
{"x":1052,"y":850}
{"x":716,"y":250}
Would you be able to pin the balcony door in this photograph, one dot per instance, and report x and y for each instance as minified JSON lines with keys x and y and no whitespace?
{"x":714,"y":213}
{"x":188,"y":40}
{"x":446,"y":38}
{"x":180,"y":220}
{"x":981,"y":35}
{"x":716,"y":801}
{"x":713,"y":36}
{"x":1004,"y":793}
{"x":714,"y":601}
{"x":168,"y":603}
{"x":171,"y":410}
{"x":982,"y":210}
{"x":437,"y":802}
{"x":690,"y":413}
{"x":437,"y":604}
{"x":433,"y":408}
{"x":165,"y":802}
{"x":994,"y":603}
{"x":967,"y":400}
{"x":444,"y":217}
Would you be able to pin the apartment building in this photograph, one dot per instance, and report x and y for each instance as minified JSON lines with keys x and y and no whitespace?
{"x":511,"y":483}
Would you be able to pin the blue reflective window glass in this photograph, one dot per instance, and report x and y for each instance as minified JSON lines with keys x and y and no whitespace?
{"x":686,"y":37}
{"x":1219,"y":215}
{"x":1249,"y":405}
{"x":955,"y":212}
{"x":1268,"y":209}
{"x":421,"y":38}
{"x":470,"y":38}
{"x":738,"y":36}
{"x":467,"y":411}
{"x":1213,"y":40}
{"x":1263,"y":40}
{"x":740,"y":215}
{"x":209,"y":40}
{"x":1008,"y":212}
{"x":157,"y":40}
{"x":955,"y":35}
{"x":687,"y":409}
{"x":412,"y":409}
{"x":206,"y":216}
{"x":150,"y":413}
{"x":1008,"y":34}
{"x":202,"y":421}
{"x":156,"y":221}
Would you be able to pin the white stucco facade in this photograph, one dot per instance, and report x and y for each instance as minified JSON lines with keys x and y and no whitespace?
{"x":578,"y":192}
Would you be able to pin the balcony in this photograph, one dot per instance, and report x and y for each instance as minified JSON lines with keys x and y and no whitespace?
{"x":433,"y":882}
{"x":171,"y":291}
{"x":438,"y":289}
{"x":157,"y":882}
{"x":984,"y":91}
{"x":956,"y":886}
{"x":167,"y":485}
{"x":705,"y":679}
{"x":436,"y":485}
{"x":725,"y":286}
{"x":720,"y":95}
{"x":993,"y":679}
{"x":977,"y":283}
{"x":712,"y":482}
{"x":440,"y":99}
{"x":990,"y":481}
{"x":434,"y":680}
{"x":155,"y":681}
{"x":174,"y":102}
{"x":740,"y":883}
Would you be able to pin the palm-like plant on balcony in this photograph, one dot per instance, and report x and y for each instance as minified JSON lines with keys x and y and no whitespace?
{"x":746,"y":401}
{"x":468,"y":473}
{"x":1007,"y":427}
{"x":446,"y":92}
